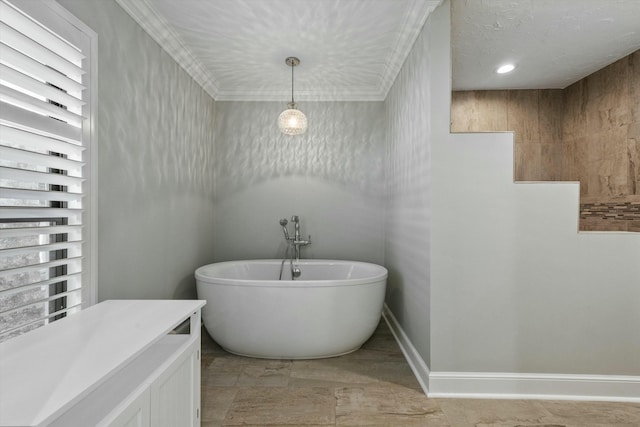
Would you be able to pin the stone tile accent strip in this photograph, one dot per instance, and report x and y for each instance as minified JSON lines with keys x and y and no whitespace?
{"x":623,"y":216}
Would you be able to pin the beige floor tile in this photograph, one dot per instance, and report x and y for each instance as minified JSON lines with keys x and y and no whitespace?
{"x":334,"y":372}
{"x":396,"y":374}
{"x":223,"y":371}
{"x":381,"y":347}
{"x":265,"y":373}
{"x":373,"y":386}
{"x":382,"y":328}
{"x":208,"y":345}
{"x":382,"y":342}
{"x":550,"y":424}
{"x":386,"y":406}
{"x":215,"y":402}
{"x":487,"y":412}
{"x":364,"y":354}
{"x":282,"y":406}
{"x":206,"y":360}
{"x":593,"y":413}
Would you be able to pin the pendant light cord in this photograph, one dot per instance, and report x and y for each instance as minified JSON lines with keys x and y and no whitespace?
{"x":292,"y":66}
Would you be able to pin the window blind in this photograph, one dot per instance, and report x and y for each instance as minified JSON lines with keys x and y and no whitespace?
{"x":44,"y":142}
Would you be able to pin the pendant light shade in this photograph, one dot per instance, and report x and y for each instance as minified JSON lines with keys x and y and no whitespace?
{"x":292,"y":121}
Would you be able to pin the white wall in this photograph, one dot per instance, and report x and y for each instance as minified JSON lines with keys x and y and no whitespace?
{"x":155,"y":161}
{"x":332,"y":177}
{"x":408,"y":172}
{"x":514,"y":287}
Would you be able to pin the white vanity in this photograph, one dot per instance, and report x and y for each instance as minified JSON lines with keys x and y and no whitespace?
{"x":117,"y":363}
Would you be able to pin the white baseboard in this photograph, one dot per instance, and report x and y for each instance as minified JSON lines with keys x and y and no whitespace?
{"x":496,"y":385}
{"x":490,"y":385}
{"x":415,"y":361}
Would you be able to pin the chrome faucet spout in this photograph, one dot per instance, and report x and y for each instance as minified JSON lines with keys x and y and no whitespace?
{"x":296,"y":221}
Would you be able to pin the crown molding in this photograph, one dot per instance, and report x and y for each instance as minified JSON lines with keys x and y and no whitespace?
{"x":285,"y":96}
{"x":414,"y":19}
{"x":162,"y":32}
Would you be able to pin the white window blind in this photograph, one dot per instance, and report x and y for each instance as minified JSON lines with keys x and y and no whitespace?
{"x":45,"y":156}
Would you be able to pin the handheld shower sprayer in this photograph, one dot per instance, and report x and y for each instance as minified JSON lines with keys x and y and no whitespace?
{"x":283,"y":223}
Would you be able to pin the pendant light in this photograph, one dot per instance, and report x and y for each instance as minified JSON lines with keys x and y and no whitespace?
{"x":292,"y":121}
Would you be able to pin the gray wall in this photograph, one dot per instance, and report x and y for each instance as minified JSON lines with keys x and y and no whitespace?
{"x":332,"y":177}
{"x":155,"y":162}
{"x":408,"y":171}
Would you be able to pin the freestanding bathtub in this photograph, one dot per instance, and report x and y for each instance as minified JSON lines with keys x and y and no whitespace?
{"x":331,"y":309}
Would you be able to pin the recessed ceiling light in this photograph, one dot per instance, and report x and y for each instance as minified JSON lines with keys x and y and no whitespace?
{"x":505,"y":68}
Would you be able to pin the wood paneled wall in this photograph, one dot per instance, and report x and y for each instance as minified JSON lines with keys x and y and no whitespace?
{"x":587,"y":132}
{"x":601,"y":131}
{"x":535,"y":117}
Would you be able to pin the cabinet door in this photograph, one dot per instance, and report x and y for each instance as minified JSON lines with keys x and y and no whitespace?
{"x":136,"y":414}
{"x":175,"y":395}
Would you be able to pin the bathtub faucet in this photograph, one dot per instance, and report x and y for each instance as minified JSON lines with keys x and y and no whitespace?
{"x":294,"y":241}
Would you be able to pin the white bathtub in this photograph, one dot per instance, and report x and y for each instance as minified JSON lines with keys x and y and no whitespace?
{"x":330,"y":310}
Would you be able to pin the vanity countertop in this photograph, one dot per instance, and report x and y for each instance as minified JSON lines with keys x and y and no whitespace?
{"x":45,"y":371}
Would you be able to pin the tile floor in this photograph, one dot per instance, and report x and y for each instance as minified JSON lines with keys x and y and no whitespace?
{"x":371,"y":387}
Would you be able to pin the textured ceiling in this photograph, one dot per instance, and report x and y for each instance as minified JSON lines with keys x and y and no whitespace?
{"x":353,"y":49}
{"x":553,"y":42}
{"x":349,"y":49}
